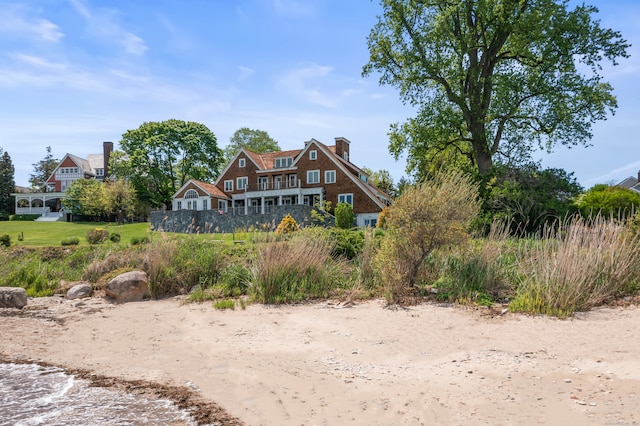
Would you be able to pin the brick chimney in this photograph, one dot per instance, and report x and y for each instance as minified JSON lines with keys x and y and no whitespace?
{"x":107,"y":149}
{"x":342,"y":147}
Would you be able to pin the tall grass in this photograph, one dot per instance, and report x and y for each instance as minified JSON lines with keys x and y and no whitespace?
{"x":295,"y":270}
{"x":575,"y":266}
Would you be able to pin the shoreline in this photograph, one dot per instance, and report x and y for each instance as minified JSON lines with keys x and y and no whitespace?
{"x":332,"y":363}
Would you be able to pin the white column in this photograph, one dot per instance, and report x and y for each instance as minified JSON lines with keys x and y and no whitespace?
{"x":262,"y":205}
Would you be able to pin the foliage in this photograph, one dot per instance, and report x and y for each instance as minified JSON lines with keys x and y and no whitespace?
{"x":493,"y":78}
{"x":97,"y":236}
{"x":257,"y":141}
{"x":7,"y":184}
{"x":345,"y":217}
{"x":85,"y":197}
{"x":71,"y":241}
{"x":348,"y":242}
{"x":225,"y":304}
{"x":431,"y":215}
{"x":140,"y":240}
{"x":320,"y":215}
{"x":114,"y":237}
{"x":607,"y":200}
{"x":287,"y":225}
{"x":42,"y":170}
{"x":296,"y":270}
{"x":528,"y":197}
{"x":24,"y":217}
{"x":5,"y":240}
{"x":382,"y":180}
{"x":159,"y":157}
{"x":120,"y":198}
{"x":382,"y":218}
{"x":577,"y":266}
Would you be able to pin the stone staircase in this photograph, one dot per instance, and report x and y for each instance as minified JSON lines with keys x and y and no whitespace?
{"x":51,"y":217}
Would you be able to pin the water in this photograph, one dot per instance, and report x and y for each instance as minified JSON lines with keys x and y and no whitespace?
{"x":34,"y":395}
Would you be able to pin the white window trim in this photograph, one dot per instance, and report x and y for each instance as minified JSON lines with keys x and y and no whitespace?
{"x":344,"y":196}
{"x":327,"y":173}
{"x":228,"y":185}
{"x":310,"y":173}
{"x":242,"y":162}
{"x":244,"y":180}
{"x":313,"y":155}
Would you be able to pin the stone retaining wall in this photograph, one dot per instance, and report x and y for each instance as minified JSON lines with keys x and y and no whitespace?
{"x":211,"y":221}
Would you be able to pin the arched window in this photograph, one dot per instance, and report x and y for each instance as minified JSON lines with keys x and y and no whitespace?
{"x":22,"y":203}
{"x":191,"y":194}
{"x":36,"y":203}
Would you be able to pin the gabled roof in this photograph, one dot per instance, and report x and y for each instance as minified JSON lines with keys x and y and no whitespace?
{"x":208,"y":188}
{"x":628,"y":182}
{"x":96,"y":161}
{"x":80,"y":162}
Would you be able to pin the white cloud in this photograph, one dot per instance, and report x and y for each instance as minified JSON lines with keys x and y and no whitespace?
{"x":630,"y":168}
{"x":15,"y":20}
{"x":300,"y":82}
{"x":80,"y":8}
{"x":245,"y":72}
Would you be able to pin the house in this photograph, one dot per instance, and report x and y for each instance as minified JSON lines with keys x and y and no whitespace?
{"x":259,"y":184}
{"x":71,"y":167}
{"x":632,"y":182}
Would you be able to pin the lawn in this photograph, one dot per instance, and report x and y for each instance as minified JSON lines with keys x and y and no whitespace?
{"x":46,"y":234}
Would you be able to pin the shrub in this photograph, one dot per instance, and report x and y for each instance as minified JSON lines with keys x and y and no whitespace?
{"x":344,"y":215}
{"x":576,"y":266}
{"x":97,"y":236}
{"x":140,"y":240}
{"x":425,"y":217}
{"x":5,"y":240}
{"x":287,"y":225}
{"x":348,"y":242}
{"x":114,"y":237}
{"x":225,"y":304}
{"x":606,"y":200}
{"x":71,"y":241}
{"x":24,"y":217}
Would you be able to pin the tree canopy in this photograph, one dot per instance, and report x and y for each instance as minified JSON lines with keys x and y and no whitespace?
{"x":382,"y":180}
{"x":42,"y":170}
{"x":7,"y":184}
{"x":159,"y":157}
{"x":608,"y":201}
{"x":493,"y":79}
{"x":254,"y":140}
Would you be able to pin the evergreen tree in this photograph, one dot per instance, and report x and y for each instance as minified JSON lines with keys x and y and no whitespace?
{"x":7,"y":184}
{"x":42,"y":170}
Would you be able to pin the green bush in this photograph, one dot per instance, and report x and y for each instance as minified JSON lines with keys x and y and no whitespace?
{"x":24,"y":217}
{"x":344,"y":215}
{"x":140,"y":240}
{"x":225,"y":304}
{"x":114,"y":237}
{"x":348,"y":242}
{"x":71,"y":241}
{"x":607,"y":200}
{"x":5,"y":240}
{"x":97,"y":236}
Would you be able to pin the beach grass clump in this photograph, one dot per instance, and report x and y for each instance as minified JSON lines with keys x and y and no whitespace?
{"x":224,"y":304}
{"x":293,"y":271}
{"x":71,"y":241}
{"x":577,"y":265}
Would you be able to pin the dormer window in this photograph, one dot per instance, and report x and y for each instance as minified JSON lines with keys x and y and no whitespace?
{"x":313,"y":155}
{"x":99,"y":172}
{"x":345,"y":156}
{"x":242,"y":162}
{"x":281,"y":163}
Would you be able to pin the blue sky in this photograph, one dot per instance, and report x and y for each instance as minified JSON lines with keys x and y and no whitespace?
{"x":75,"y":73}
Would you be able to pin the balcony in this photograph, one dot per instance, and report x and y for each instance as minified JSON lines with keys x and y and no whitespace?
{"x":272,"y":185}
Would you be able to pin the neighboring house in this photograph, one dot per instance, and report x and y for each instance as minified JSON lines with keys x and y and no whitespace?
{"x":631,"y":183}
{"x":254,"y":184}
{"x":71,"y":167}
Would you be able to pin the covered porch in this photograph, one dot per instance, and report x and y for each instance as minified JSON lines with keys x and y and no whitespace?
{"x":41,"y":203}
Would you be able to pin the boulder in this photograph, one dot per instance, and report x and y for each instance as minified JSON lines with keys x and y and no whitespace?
{"x":13,"y":297}
{"x":128,"y":287}
{"x":79,"y":291}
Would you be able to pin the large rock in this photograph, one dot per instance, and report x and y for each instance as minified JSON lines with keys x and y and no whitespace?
{"x":79,"y":291}
{"x":128,"y":287}
{"x":13,"y":297}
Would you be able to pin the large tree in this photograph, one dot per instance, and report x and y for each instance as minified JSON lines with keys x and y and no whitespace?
{"x":120,"y":198}
{"x":493,"y":79}
{"x":254,"y":140}
{"x":42,"y":170}
{"x":382,"y":180}
{"x":7,"y":184}
{"x":86,"y":197}
{"x":159,"y":157}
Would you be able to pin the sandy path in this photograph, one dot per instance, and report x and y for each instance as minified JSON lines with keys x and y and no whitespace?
{"x":326,"y":364}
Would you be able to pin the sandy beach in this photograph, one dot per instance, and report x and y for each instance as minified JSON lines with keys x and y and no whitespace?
{"x":342,"y":363}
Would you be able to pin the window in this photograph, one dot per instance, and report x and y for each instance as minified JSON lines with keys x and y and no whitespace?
{"x":345,"y":156}
{"x":291,"y":181}
{"x":242,"y":162}
{"x":205,"y":204}
{"x":179,"y":205}
{"x":99,"y":172}
{"x":313,"y":155}
{"x":263,"y":183}
{"x":283,"y":162}
{"x":228,"y":185}
{"x":345,"y":198}
{"x":192,"y":205}
{"x":191,"y":194}
{"x":241,"y":183}
{"x":363,"y":177}
{"x":313,"y":176}
{"x":222,"y":205}
{"x":330,"y":176}
{"x":370,"y":223}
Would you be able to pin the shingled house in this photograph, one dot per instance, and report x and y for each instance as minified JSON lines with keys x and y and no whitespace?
{"x":263,"y":184}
